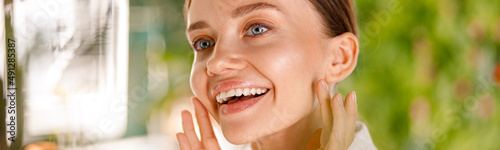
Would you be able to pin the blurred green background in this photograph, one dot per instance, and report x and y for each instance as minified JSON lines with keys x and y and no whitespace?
{"x":425,"y":77}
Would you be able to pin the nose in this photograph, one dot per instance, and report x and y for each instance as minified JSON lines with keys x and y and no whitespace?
{"x":225,"y":58}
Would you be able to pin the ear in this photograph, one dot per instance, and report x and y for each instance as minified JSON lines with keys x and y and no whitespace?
{"x":342,"y":56}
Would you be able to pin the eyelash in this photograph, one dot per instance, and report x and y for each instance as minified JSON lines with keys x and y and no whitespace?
{"x":249,"y":26}
{"x":257,"y":24}
{"x":195,"y":43}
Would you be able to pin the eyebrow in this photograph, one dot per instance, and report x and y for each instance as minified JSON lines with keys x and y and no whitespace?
{"x":198,"y":25}
{"x":238,"y":12}
{"x":243,"y":10}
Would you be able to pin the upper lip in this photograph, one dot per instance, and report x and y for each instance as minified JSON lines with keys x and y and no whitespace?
{"x":229,"y":85}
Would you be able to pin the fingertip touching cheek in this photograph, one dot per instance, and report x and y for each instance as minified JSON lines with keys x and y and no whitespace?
{"x":255,"y":63}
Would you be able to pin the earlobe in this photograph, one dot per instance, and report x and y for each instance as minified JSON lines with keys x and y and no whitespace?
{"x":344,"y":51}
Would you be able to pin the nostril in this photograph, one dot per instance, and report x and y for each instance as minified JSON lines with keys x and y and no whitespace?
{"x":222,"y":64}
{"x":215,"y":66}
{"x":210,"y":73}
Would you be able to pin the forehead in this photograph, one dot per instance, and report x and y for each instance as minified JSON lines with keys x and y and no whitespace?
{"x":224,"y":9}
{"x":199,"y":9}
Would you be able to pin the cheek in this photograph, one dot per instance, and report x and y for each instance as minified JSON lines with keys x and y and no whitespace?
{"x":294,"y":76}
{"x":197,"y":83}
{"x":199,"y":86}
{"x":293,"y":71}
{"x":292,"y":55}
{"x":293,"y":63}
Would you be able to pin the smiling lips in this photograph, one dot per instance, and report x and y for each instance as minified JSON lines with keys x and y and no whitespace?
{"x":236,"y":95}
{"x":234,"y":92}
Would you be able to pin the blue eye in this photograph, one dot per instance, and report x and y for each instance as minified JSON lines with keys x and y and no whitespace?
{"x":202,"y":44}
{"x":256,"y":30}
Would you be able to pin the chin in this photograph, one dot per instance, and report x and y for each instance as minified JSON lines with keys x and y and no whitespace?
{"x":238,"y":140}
{"x":244,"y":133}
{"x":240,"y":135}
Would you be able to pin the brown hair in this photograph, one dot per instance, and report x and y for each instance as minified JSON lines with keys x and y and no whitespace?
{"x":338,"y":15}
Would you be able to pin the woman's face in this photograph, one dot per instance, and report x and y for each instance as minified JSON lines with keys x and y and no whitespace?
{"x":277,"y":48}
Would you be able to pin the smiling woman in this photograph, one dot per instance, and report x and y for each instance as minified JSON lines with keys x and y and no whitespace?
{"x":264,"y":70}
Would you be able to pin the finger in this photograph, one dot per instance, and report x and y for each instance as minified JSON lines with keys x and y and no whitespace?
{"x":323,"y":95}
{"x":339,"y":120}
{"x":334,"y":143}
{"x":183,"y":141}
{"x":41,"y":146}
{"x":351,"y":108}
{"x":188,"y":127}
{"x":208,"y":138}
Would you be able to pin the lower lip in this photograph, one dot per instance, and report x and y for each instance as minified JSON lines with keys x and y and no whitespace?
{"x":227,"y":109}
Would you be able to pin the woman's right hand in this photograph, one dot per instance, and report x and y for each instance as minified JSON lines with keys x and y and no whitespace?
{"x":188,"y":139}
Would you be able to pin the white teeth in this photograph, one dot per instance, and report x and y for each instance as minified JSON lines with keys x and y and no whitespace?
{"x":224,"y":96}
{"x":246,"y":92}
{"x":230,"y":93}
{"x":239,"y":92}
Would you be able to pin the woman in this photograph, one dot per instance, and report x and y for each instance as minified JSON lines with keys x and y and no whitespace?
{"x":265,"y":70}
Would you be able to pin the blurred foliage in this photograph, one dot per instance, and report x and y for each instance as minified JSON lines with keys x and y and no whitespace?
{"x":425,"y":74}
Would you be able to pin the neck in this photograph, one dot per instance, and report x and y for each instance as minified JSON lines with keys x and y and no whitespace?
{"x":294,"y":137}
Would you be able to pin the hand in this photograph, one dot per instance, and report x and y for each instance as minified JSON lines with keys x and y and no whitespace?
{"x":188,"y":140}
{"x":338,"y":118}
{"x":42,"y":146}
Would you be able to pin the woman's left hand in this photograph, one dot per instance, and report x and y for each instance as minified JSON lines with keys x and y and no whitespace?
{"x":338,"y":118}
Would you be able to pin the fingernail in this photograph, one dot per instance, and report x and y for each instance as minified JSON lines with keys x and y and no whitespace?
{"x":339,"y":100}
{"x":325,"y":86}
{"x":354,"y":97}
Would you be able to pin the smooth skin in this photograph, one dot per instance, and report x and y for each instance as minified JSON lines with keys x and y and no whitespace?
{"x":290,"y":55}
{"x":337,"y":133}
